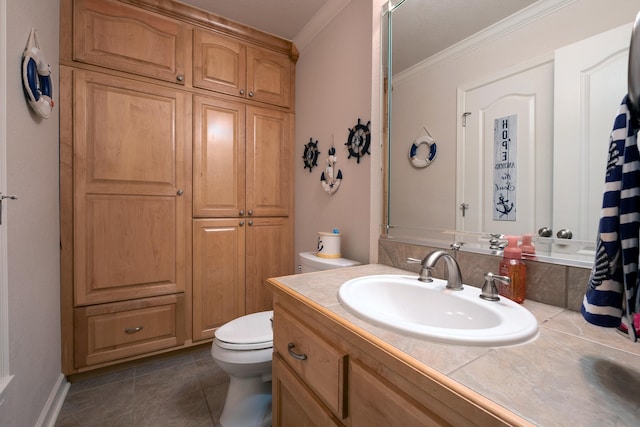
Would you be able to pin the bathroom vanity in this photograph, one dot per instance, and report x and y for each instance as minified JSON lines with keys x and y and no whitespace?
{"x":332,"y":369}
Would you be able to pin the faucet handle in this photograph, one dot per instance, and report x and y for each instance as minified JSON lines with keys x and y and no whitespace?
{"x":455,"y":247}
{"x":425,"y":272}
{"x":490,"y":289}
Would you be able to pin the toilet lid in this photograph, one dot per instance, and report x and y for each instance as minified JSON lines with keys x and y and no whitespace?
{"x":250,"y":332}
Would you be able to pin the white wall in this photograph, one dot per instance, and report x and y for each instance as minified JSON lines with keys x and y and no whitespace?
{"x":333,"y":90}
{"x":32,"y":227}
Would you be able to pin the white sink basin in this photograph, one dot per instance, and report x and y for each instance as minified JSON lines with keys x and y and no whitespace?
{"x":428,"y":310}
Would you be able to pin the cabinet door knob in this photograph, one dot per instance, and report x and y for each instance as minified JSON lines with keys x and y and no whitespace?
{"x":180,"y":78}
{"x":180,"y":192}
{"x":251,"y":93}
{"x":241,"y":223}
{"x":241,"y":213}
{"x":250,"y":212}
{"x":241,"y":91}
{"x":133,"y":330}
{"x":250,"y":223}
{"x":299,"y":356}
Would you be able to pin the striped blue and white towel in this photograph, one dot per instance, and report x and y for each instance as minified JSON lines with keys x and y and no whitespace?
{"x":612,"y":292}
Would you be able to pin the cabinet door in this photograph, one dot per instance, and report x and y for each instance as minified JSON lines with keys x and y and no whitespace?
{"x":130,"y":159}
{"x":218,"y":274}
{"x":219,"y":63}
{"x":293,"y":403}
{"x":219,"y":158}
{"x":268,"y":76}
{"x":114,"y":35}
{"x":269,"y":254}
{"x":269,"y":162}
{"x":366,"y":392}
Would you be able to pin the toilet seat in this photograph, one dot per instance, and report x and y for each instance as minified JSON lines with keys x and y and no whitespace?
{"x":250,"y":332}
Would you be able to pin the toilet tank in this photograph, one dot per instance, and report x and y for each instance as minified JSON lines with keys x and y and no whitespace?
{"x":309,"y":262}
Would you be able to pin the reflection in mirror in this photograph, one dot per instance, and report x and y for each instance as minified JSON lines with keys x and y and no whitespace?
{"x":548,"y":75}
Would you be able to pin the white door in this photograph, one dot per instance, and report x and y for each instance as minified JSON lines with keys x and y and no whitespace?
{"x":500,"y":193}
{"x":591,"y":80}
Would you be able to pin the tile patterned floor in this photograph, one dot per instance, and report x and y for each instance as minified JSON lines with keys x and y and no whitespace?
{"x":186,"y":390}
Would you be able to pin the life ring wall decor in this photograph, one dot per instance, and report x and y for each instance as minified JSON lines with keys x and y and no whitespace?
{"x":359,"y":141}
{"x":36,"y":77}
{"x":431,"y":152}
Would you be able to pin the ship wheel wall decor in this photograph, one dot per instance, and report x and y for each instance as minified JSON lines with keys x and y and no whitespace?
{"x":311,"y":154}
{"x":359,"y":140}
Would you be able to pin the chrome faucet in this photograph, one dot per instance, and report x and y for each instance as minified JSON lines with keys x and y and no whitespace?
{"x":454,"y":277}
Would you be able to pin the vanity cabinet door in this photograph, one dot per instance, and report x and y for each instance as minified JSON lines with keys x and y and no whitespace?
{"x":374,"y":402}
{"x":293,"y":403}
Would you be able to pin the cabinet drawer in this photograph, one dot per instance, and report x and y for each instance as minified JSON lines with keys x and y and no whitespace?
{"x":109,"y":332}
{"x":294,"y":403}
{"x":321,"y":365}
{"x":122,"y":37}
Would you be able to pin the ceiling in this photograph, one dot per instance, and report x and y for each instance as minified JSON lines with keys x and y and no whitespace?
{"x":422,"y":28}
{"x":282,"y":18}
{"x":428,"y":26}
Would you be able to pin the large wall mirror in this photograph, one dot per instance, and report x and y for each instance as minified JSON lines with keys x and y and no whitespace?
{"x":546,"y":76}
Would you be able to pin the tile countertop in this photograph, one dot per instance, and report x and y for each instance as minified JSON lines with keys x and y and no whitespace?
{"x":573,"y":374}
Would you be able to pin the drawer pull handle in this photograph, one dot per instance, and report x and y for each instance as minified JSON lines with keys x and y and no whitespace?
{"x":299,"y":356}
{"x":133,"y":330}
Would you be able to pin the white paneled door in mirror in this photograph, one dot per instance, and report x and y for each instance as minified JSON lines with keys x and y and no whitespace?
{"x":590,"y":82}
{"x":504,"y":151}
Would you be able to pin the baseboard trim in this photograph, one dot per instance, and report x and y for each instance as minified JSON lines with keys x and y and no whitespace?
{"x":51,"y":409}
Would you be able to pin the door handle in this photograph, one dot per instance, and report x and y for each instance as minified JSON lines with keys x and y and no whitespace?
{"x":5,"y":196}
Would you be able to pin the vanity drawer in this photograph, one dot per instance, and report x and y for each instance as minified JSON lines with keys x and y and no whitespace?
{"x":320,"y":364}
{"x":293,"y":403}
{"x":107,"y":332}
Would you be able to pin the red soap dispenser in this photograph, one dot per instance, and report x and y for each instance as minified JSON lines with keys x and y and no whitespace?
{"x":513,"y":267}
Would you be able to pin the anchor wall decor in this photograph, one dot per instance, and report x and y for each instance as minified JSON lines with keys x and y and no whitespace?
{"x":329,"y":180}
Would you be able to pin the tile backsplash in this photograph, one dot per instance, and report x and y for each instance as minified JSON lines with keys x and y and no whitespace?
{"x":557,"y":285}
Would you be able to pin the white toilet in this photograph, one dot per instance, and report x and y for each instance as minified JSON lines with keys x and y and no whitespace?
{"x":243,"y":348}
{"x":309,"y":262}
